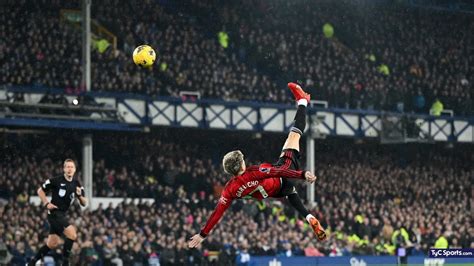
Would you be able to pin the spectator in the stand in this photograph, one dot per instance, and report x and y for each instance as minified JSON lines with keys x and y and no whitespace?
{"x":437,"y":107}
{"x":419,"y":102}
{"x":312,"y":251}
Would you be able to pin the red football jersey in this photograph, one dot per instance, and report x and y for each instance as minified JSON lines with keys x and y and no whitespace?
{"x":257,"y":182}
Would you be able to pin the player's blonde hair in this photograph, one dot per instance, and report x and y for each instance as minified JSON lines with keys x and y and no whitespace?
{"x":232,"y":162}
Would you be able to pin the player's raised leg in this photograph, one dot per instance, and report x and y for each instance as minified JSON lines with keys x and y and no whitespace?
{"x":290,"y":151}
{"x":299,"y":124}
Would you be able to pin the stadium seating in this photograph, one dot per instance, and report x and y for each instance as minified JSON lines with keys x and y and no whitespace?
{"x":376,"y":60}
{"x":365,"y":194}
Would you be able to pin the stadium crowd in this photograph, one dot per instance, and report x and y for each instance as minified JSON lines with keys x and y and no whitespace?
{"x":389,"y":58}
{"x":188,"y":59}
{"x":391,"y":187}
{"x":424,"y":59}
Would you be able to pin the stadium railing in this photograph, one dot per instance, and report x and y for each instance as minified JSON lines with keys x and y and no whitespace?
{"x":139,"y":112}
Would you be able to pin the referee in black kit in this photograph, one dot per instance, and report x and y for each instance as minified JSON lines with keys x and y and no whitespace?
{"x":64,"y":189}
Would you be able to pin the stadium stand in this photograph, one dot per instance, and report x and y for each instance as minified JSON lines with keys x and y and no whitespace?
{"x":376,"y":60}
{"x":391,"y":186}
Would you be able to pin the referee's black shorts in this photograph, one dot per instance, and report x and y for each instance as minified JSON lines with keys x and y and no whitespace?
{"x":57,"y":222}
{"x":289,"y":160}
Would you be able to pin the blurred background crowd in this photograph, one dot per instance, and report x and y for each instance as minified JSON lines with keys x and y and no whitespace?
{"x":350,"y":54}
{"x":371,"y":198}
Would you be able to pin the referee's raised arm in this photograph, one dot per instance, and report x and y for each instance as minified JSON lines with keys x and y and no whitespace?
{"x":81,"y":196}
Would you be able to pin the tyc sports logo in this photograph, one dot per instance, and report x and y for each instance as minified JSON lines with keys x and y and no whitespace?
{"x":451,"y":253}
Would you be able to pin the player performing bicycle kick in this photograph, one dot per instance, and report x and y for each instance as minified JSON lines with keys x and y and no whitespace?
{"x":267,"y":180}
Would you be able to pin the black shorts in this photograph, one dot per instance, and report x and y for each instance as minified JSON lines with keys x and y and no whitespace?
{"x":57,"y":222}
{"x":290,"y":160}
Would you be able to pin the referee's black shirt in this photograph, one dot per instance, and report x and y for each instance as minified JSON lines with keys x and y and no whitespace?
{"x":63,"y":191}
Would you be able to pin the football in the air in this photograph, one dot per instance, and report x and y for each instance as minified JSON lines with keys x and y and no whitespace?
{"x":144,"y":56}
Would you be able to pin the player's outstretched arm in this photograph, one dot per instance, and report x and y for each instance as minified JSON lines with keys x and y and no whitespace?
{"x":195,"y":241}
{"x":222,"y":206}
{"x":288,"y":173}
{"x":310,"y":177}
{"x":272,"y":172}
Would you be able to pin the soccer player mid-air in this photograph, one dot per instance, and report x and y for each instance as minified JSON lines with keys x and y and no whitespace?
{"x":267,"y":180}
{"x":64,"y":189}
